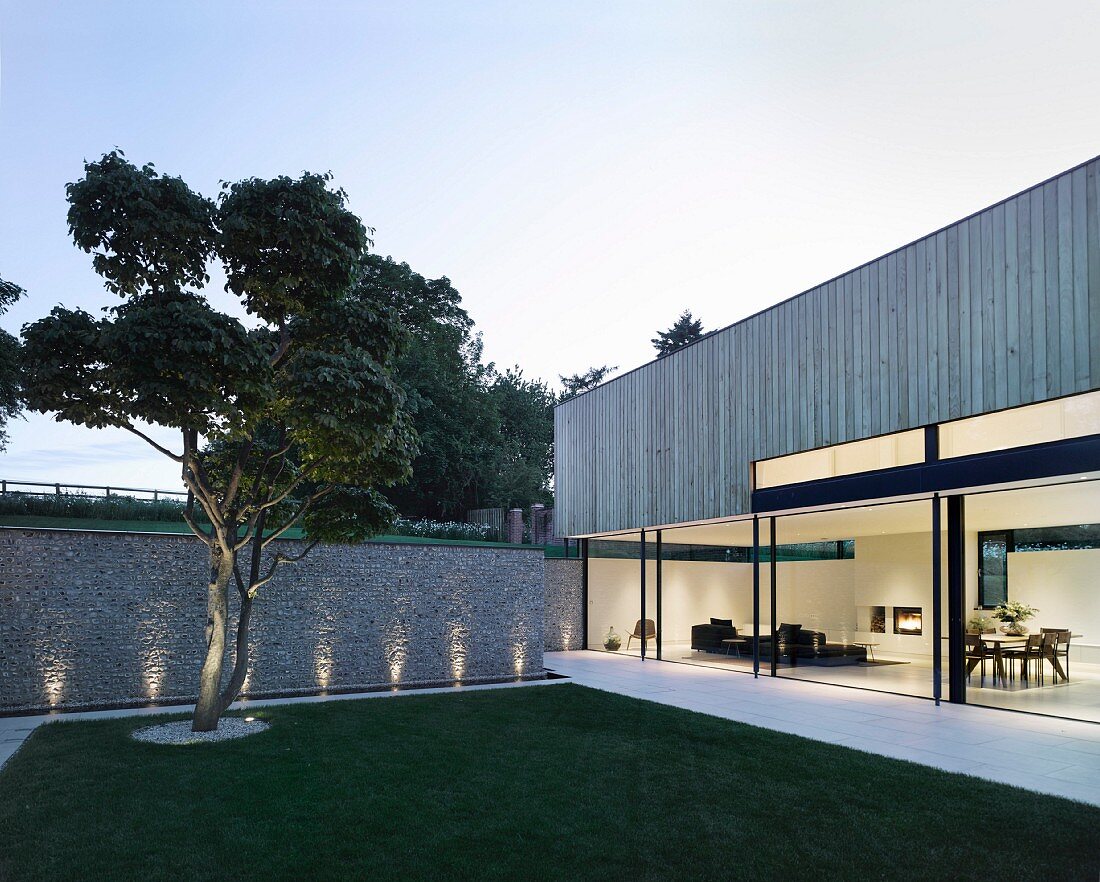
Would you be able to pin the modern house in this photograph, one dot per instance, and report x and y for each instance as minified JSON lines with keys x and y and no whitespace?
{"x":840,"y":487}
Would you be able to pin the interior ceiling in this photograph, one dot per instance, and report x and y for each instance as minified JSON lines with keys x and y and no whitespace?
{"x":1051,"y":506}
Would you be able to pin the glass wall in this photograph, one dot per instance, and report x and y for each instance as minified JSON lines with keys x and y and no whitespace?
{"x":614,"y":598}
{"x":1036,"y":550}
{"x":861,"y":620}
{"x":706,"y":595}
{"x":854,"y":598}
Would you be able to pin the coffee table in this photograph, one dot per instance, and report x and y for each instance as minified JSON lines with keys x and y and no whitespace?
{"x":736,"y":643}
{"x":870,"y":647}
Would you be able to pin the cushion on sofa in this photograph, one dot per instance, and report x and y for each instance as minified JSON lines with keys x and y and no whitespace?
{"x":728,"y":623}
{"x":709,"y":637}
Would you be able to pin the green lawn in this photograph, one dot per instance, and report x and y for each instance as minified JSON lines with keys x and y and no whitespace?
{"x":557,"y":782}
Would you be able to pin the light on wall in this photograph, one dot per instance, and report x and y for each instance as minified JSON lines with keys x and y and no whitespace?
{"x":396,"y":647}
{"x":53,"y":684}
{"x":323,"y":662}
{"x":153,"y":671}
{"x":566,"y":635}
{"x":457,"y":649}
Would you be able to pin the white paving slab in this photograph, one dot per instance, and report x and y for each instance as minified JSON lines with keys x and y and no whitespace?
{"x":1045,"y":754}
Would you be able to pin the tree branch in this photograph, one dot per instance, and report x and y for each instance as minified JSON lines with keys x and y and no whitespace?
{"x":276,"y":561}
{"x":200,"y":493}
{"x":260,"y":488}
{"x":238,"y":472}
{"x":283,"y":449}
{"x":302,"y":509}
{"x":284,"y":344}
{"x":199,"y":485}
{"x":197,"y":530}
{"x":151,"y":442}
{"x":294,"y":484}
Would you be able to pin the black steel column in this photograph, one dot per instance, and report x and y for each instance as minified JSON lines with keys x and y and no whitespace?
{"x":931,"y":443}
{"x":956,"y":592}
{"x":774,"y":647}
{"x":937,"y":605}
{"x":584,"y":593}
{"x":755,"y":596}
{"x":642,"y":556}
{"x":658,"y":595}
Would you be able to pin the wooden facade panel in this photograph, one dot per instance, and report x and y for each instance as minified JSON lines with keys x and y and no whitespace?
{"x":1000,"y":309}
{"x":1092,"y":209}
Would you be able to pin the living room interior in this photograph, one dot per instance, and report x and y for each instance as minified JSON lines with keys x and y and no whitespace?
{"x":854,"y":596}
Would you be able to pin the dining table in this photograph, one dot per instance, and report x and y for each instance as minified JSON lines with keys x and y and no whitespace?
{"x":999,"y":641}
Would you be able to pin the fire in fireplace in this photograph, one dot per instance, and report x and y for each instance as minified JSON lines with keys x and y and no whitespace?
{"x":907,"y":620}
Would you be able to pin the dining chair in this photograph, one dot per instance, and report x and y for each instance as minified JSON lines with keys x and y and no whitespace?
{"x":649,"y":632}
{"x":1061,"y":648}
{"x":1030,"y":651}
{"x":1050,"y":644}
{"x":975,"y":653}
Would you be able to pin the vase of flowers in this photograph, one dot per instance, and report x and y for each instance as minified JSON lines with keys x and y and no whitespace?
{"x":612,"y":641}
{"x":1013,"y":614}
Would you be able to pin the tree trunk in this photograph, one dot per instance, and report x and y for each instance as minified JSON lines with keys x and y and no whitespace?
{"x":240,"y":664}
{"x":208,"y":709}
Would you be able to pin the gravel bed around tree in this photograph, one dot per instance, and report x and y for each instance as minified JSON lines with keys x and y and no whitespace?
{"x":180,"y":732}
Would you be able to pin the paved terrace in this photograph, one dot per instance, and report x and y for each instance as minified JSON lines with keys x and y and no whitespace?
{"x":1045,"y":754}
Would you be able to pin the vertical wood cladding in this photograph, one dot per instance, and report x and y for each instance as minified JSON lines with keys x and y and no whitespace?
{"x":997,"y":310}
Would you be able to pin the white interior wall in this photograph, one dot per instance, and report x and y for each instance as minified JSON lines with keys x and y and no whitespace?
{"x":819,"y":595}
{"x":1065,"y":587}
{"x":896,"y":570}
{"x":614,"y":600}
{"x":693,"y":592}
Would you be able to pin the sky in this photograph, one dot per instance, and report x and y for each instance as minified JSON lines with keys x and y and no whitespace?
{"x":582,"y":172}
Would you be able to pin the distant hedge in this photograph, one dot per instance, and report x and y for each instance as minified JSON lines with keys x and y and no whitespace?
{"x":130,"y":508}
{"x":73,"y":505}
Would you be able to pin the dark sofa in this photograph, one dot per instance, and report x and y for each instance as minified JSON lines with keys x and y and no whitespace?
{"x":795,"y":645}
{"x":709,"y":637}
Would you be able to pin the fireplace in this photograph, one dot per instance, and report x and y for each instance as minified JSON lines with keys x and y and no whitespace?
{"x":907,"y":620}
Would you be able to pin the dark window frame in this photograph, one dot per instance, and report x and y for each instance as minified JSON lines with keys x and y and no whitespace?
{"x":1009,"y":544}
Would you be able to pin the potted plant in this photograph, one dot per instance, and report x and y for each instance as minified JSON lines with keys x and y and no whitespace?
{"x":612,"y":641}
{"x":1014,"y":613}
{"x":981,"y":624}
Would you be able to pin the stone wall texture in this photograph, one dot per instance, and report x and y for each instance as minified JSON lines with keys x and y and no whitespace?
{"x":90,"y":618}
{"x":563,"y":605}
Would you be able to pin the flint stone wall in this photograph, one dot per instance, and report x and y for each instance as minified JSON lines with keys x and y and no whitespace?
{"x":563,"y":605}
{"x":99,"y":619}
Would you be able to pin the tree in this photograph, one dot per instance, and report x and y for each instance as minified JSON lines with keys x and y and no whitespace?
{"x":11,"y":386}
{"x":523,"y":449}
{"x":445,"y":383}
{"x":575,"y":384}
{"x":486,"y":437}
{"x":298,"y":408}
{"x":683,"y":331}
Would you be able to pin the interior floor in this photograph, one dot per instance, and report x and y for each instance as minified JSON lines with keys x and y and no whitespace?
{"x":1079,"y":698}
